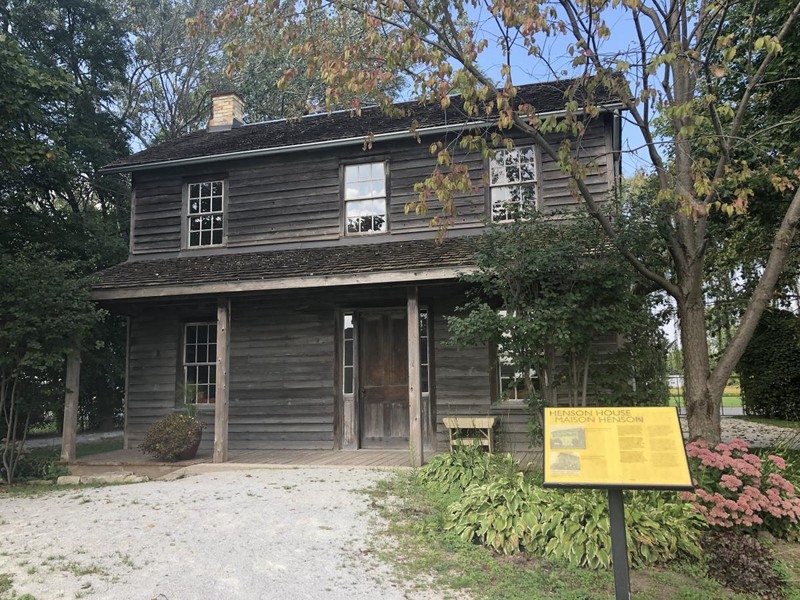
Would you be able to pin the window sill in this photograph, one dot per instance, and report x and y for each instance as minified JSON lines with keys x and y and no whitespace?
{"x":204,"y":247}
{"x":365,"y":233}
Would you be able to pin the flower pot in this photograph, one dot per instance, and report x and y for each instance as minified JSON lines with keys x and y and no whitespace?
{"x":191,"y":451}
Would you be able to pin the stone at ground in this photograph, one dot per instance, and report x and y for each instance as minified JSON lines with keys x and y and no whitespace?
{"x":102,"y":478}
{"x":68,"y":480}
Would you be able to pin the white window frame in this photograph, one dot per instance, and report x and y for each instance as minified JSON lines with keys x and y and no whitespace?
{"x":351,"y":196}
{"x":210,"y":387}
{"x":529,"y":179}
{"x":215,"y":211}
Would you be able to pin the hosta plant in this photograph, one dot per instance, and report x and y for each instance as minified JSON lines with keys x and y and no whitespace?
{"x":465,"y":466}
{"x":511,"y":514}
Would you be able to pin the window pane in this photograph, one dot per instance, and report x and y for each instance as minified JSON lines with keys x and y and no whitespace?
{"x":366,"y":216}
{"x":511,"y":165}
{"x":191,"y":353}
{"x":206,"y":200}
{"x":424,"y":380}
{"x":348,"y":353}
{"x":348,"y":327}
{"x":497,"y":173}
{"x":348,"y":380}
{"x":364,"y":181}
{"x":527,"y":165}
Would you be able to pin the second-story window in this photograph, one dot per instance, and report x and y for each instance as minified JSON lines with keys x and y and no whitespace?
{"x":512,"y":181}
{"x":205,"y":214}
{"x":365,"y":198}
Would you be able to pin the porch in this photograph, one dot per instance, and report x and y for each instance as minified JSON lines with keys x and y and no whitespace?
{"x":140,"y":464}
{"x":133,"y":459}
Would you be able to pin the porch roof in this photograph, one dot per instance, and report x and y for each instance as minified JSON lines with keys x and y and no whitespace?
{"x":391,"y":262}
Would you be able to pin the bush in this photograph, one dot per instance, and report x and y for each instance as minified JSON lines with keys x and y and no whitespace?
{"x":171,"y":436}
{"x":37,"y":464}
{"x":511,"y":514}
{"x":465,"y":466}
{"x":741,"y":563}
{"x":770,"y":367}
{"x":738,"y":490}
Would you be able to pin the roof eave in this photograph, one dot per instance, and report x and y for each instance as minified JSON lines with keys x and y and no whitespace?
{"x":285,"y":284}
{"x":380,"y":137}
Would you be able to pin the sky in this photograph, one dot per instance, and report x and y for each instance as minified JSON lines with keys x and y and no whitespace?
{"x":525,"y":69}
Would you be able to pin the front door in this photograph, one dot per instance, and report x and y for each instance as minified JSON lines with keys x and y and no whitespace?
{"x":383,"y":376}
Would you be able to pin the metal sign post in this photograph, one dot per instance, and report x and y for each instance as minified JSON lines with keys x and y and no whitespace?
{"x":619,"y":545}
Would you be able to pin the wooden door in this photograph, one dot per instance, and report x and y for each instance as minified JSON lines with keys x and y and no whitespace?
{"x":383,"y":376}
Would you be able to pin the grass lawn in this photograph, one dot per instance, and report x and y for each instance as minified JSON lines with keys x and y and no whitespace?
{"x":731,"y":397}
{"x":82,"y":449}
{"x":415,"y":543}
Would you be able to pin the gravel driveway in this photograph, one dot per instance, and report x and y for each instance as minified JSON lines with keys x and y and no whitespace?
{"x":241,"y":534}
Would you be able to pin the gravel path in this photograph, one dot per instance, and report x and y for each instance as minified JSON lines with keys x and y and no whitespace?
{"x":256,"y":534}
{"x":757,"y":435}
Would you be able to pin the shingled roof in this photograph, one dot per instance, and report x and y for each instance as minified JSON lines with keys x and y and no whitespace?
{"x":321,"y":128}
{"x":286,"y":269}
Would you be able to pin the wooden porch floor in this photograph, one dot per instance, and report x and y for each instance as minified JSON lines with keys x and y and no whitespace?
{"x":287,"y":458}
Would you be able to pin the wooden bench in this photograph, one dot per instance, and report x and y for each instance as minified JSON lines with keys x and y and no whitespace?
{"x":479,"y":431}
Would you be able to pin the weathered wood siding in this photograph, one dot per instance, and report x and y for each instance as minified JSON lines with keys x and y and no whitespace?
{"x":284,"y":373}
{"x":282,"y":370}
{"x":296,"y":197}
{"x":154,"y":374}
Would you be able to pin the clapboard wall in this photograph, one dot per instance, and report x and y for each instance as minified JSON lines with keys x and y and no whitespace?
{"x":283,"y":368}
{"x":296,"y":197}
{"x":282,"y":374}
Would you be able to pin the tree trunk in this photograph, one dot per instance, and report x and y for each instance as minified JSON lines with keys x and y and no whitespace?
{"x":702,"y":406}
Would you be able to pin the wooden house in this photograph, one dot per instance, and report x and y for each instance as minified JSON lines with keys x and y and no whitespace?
{"x":275,"y":278}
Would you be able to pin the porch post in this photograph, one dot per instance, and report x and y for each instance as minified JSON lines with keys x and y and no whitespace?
{"x":70,"y":429}
{"x":221,"y":394}
{"x":414,"y":397}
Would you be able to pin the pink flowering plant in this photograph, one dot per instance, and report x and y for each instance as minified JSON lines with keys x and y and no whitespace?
{"x":738,"y":490}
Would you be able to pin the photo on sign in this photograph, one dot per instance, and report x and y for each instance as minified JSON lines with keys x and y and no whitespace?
{"x":568,"y":438}
{"x":566,"y":463}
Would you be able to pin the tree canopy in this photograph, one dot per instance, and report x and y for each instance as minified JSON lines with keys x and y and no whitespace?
{"x":690,"y":79}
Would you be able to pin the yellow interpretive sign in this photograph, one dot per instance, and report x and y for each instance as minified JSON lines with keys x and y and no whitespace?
{"x":620,"y":447}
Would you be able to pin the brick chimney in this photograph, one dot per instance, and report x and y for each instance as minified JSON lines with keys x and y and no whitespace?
{"x":227,"y":111}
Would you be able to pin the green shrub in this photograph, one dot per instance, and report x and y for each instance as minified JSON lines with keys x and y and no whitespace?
{"x":171,"y":436}
{"x":770,"y":367}
{"x":741,"y":563}
{"x":511,"y":514}
{"x":37,"y":464}
{"x":465,"y":466}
